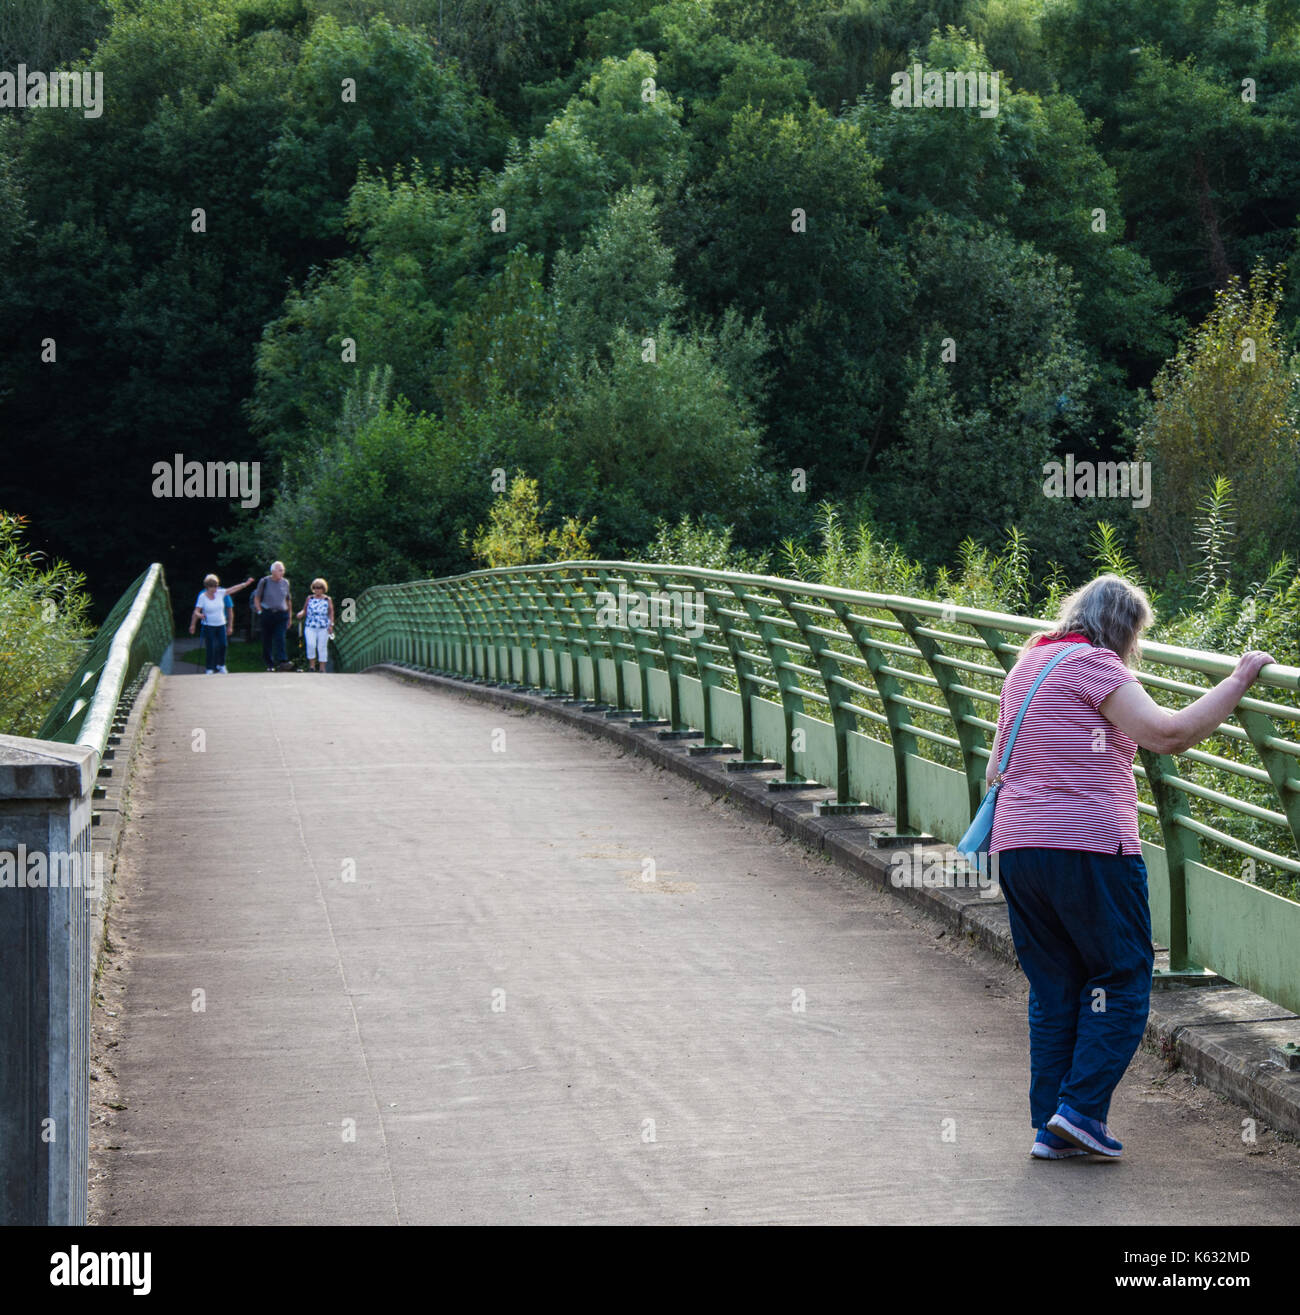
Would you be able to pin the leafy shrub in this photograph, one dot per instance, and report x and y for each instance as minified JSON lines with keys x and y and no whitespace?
{"x":696,"y":543}
{"x":43,"y":629}
{"x":514,"y":536}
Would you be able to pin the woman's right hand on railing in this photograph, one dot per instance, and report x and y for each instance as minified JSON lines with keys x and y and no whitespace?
{"x":1250,"y":664}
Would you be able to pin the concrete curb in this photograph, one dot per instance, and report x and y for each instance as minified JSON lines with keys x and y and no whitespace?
{"x":110,"y":812}
{"x":1220,"y":1034}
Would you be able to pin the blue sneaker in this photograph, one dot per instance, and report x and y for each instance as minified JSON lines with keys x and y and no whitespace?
{"x":1049,"y":1146}
{"x":1079,"y":1130}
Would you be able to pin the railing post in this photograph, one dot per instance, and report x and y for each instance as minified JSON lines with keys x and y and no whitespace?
{"x":428,"y":638}
{"x":1278,"y":765}
{"x":576,"y":598}
{"x":708,"y":678}
{"x":558,"y":602}
{"x":476,"y":655}
{"x":1181,"y":846}
{"x":503,"y":624}
{"x":499,"y":587}
{"x":902,"y":742}
{"x":531,"y":601}
{"x":517,"y":585}
{"x":389,"y":627}
{"x":675,"y":660}
{"x":406,"y":612}
{"x":438,"y":645}
{"x":842,"y":720}
{"x":474,"y":592}
{"x":645,"y":660}
{"x":995,"y":639}
{"x":392,"y":628}
{"x":969,"y":736}
{"x":463,"y":648}
{"x":615,"y":654}
{"x":787,"y":685}
{"x":639,"y":645}
{"x":740,"y":661}
{"x":545,"y":625}
{"x":377,"y":610}
{"x":406,"y":621}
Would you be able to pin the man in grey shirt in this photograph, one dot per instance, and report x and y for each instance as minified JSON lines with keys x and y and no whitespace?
{"x":273,"y":602}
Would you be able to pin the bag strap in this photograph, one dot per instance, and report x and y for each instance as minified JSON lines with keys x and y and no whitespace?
{"x":1033,"y":689}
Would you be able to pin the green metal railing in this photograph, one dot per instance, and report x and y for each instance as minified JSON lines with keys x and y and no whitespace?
{"x":135,"y":632}
{"x":888,"y":701}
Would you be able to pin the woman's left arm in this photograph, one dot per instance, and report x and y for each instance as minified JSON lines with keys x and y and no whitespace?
{"x":1133,"y":711}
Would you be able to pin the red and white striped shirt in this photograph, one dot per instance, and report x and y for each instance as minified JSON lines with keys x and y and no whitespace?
{"x":1069,"y":784}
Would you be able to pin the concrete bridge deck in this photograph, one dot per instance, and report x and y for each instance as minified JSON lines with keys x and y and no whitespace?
{"x":437,"y":987}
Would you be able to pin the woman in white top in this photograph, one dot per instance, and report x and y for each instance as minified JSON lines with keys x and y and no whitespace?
{"x":210,"y":608}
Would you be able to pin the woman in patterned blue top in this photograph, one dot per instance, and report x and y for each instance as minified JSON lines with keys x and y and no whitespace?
{"x":317,"y":617}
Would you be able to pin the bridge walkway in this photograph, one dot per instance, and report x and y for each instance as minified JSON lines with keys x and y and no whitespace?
{"x":389,"y":955}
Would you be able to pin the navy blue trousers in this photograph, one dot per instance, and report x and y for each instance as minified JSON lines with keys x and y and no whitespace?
{"x":214,"y":646}
{"x":1082,"y":930}
{"x":274,"y":624}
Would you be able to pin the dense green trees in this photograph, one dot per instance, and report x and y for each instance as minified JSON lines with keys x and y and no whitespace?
{"x":150,"y":245}
{"x":1036,"y":170}
{"x":786,"y":226}
{"x":47,"y":36}
{"x":678,"y":259}
{"x":621,"y":278}
{"x":999,"y":381}
{"x":377,"y":94}
{"x":386,"y":498}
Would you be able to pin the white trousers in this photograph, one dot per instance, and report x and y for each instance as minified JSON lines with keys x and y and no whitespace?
{"x":317,"y":639}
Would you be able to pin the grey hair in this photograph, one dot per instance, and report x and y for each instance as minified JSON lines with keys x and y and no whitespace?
{"x":1111,"y":611}
{"x":275,"y":564}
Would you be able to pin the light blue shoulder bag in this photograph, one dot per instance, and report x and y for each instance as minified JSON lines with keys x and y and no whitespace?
{"x":980,"y":832}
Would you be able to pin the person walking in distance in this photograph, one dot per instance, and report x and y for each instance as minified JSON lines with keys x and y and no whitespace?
{"x":211,"y":609}
{"x":1069,"y":859}
{"x":317,"y":617}
{"x":273,"y":602}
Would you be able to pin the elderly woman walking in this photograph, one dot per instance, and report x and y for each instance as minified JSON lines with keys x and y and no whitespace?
{"x":1069,"y":861}
{"x":210,"y":608}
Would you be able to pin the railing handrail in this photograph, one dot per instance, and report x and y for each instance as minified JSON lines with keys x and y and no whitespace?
{"x":139,"y":628}
{"x":112,"y":681}
{"x":1277,"y":674}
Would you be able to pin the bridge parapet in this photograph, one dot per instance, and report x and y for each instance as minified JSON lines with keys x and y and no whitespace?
{"x":51,"y":879}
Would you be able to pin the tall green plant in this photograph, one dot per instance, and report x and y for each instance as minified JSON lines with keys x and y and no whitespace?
{"x":43,"y":629}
